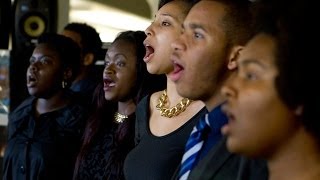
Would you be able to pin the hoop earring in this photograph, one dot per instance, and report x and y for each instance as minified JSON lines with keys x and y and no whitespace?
{"x":64,"y":84}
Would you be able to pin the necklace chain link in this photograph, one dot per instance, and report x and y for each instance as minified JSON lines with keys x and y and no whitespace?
{"x":175,"y":110}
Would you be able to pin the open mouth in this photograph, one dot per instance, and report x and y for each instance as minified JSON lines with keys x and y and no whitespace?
{"x":177,"y":68}
{"x":108,"y":83}
{"x":176,"y":74}
{"x":31,"y":80}
{"x":149,"y":53}
{"x":227,"y":128}
{"x":228,"y":113}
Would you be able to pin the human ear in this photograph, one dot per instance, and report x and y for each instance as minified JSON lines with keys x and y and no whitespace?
{"x":234,"y":54}
{"x":88,"y":59}
{"x":298,"y":110}
{"x":67,"y":74}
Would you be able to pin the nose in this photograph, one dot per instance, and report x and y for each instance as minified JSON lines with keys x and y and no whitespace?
{"x":109,"y":69}
{"x":179,"y":43}
{"x":228,"y":90}
{"x":148,"y":31}
{"x":33,"y":66}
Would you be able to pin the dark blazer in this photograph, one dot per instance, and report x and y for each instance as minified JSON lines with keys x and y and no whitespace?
{"x":220,"y":164}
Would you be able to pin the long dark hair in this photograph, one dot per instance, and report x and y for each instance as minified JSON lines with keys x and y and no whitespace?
{"x":102,"y":117}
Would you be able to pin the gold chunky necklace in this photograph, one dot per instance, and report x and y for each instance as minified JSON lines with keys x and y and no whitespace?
{"x":120,"y":118}
{"x":175,"y":110}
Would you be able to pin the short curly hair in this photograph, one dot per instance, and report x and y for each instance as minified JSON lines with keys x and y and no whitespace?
{"x":292,"y":26}
{"x":67,"y":50}
{"x":90,"y":39}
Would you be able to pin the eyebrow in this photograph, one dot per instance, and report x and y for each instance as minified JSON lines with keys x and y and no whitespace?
{"x":246,"y":62}
{"x":42,"y":56}
{"x":165,"y":14}
{"x":196,"y":26}
{"x":116,"y":55}
{"x":169,"y":15}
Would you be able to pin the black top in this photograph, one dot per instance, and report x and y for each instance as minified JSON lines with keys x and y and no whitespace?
{"x":156,"y":157}
{"x":104,"y":160}
{"x":44,"y":147}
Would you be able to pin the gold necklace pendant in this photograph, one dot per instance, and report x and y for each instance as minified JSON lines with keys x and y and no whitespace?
{"x":175,"y":110}
{"x":119,"y":118}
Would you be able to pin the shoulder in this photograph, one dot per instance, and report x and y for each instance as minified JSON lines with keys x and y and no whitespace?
{"x":143,"y":110}
{"x":154,"y":100}
{"x":24,"y":109}
{"x":149,"y":102}
{"x":143,"y":103}
{"x":20,"y":116}
{"x":74,"y":112}
{"x":221,"y":164}
{"x":155,"y":97}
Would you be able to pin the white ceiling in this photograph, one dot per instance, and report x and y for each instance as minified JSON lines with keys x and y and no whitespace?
{"x":107,"y":20}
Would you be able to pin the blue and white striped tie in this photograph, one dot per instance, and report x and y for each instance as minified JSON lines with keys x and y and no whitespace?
{"x":193,"y":147}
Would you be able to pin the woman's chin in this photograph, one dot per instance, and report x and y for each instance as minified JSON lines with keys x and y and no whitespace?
{"x":233,"y":145}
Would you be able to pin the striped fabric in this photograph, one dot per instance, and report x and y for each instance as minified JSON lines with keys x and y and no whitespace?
{"x":193,"y":147}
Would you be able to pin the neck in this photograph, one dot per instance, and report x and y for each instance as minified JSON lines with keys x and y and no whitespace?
{"x":51,"y":104}
{"x":215,"y":100}
{"x":126,"y":108}
{"x":298,"y":159}
{"x":173,"y":96}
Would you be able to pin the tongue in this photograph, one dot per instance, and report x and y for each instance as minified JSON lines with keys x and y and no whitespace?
{"x":176,"y":73}
{"x":177,"y":68}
